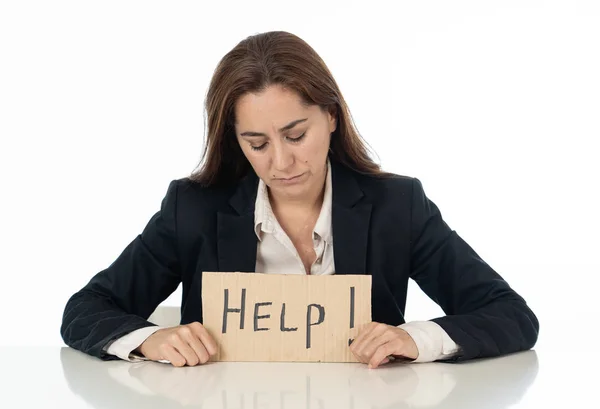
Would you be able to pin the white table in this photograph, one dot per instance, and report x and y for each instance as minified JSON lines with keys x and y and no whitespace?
{"x":64,"y":378}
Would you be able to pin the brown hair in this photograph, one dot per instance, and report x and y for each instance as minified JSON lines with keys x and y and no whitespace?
{"x":265,"y":59}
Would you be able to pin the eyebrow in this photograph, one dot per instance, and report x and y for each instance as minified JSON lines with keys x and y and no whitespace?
{"x":281,"y":130}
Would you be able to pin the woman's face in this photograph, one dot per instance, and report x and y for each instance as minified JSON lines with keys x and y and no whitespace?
{"x":285,"y":142}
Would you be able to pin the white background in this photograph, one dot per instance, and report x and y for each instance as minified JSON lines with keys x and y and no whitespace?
{"x":494,"y":106}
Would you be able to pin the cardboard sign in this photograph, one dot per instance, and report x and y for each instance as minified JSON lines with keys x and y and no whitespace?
{"x":278,"y":317}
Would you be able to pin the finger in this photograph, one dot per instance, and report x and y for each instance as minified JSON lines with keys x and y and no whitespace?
{"x":357,"y":356}
{"x":363,"y":338}
{"x":376,"y":330}
{"x":365,"y":332}
{"x":191,"y":338}
{"x":371,"y":341}
{"x":184,"y":349}
{"x":171,"y":354}
{"x":207,"y":340}
{"x":381,"y":354}
{"x":375,"y":342}
{"x":200,"y":351}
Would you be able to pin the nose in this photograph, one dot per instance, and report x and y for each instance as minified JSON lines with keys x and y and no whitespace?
{"x":283,"y":158}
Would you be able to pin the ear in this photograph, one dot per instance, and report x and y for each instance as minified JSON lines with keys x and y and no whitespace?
{"x":332,"y":116}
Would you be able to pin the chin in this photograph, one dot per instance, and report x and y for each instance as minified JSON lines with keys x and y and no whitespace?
{"x":295,"y":190}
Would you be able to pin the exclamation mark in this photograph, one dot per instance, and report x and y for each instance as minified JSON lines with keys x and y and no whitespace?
{"x":351,"y":312}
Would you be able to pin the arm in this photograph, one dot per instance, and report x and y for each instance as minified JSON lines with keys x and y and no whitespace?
{"x":125,"y":347}
{"x":484,"y":316}
{"x":433,"y":343}
{"x":119,"y":299}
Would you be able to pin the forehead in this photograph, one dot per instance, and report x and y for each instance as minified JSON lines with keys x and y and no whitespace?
{"x":275,"y":106}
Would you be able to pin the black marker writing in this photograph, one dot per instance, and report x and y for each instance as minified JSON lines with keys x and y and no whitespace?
{"x":258,"y":317}
{"x":282,"y":321}
{"x":227,"y":310}
{"x":309,"y":324}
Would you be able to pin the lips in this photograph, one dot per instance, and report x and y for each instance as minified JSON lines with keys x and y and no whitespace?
{"x":288,"y":179}
{"x":292,"y":178}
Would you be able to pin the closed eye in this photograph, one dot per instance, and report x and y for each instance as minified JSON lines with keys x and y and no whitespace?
{"x":259,"y":148}
{"x":298,"y":139}
{"x":292,"y":140}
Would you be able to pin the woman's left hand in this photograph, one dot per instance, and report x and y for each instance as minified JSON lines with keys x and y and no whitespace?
{"x":377,"y":342}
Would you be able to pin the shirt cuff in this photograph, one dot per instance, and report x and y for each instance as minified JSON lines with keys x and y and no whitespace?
{"x":123,"y":347}
{"x":433,"y":343}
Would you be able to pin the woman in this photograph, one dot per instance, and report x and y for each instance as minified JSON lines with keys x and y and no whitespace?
{"x":287,"y":186}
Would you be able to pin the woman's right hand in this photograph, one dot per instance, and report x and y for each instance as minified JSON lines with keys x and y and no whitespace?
{"x":189,"y":344}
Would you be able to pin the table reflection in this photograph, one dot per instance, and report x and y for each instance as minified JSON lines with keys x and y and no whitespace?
{"x":489,"y":383}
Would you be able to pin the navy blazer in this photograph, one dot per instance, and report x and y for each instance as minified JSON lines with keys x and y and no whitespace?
{"x":385,"y":227}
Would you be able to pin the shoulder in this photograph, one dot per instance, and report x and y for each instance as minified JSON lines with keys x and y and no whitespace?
{"x":389,"y":186}
{"x":188,"y":194}
{"x":189,"y":188}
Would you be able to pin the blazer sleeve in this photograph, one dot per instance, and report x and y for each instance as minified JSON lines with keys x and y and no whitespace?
{"x":119,"y":299}
{"x":484,"y":315}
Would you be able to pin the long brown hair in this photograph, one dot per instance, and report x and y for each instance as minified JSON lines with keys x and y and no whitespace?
{"x":282,"y":58}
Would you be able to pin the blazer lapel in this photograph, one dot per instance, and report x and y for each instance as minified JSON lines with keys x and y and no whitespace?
{"x":236,"y":240}
{"x":350,"y":222}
